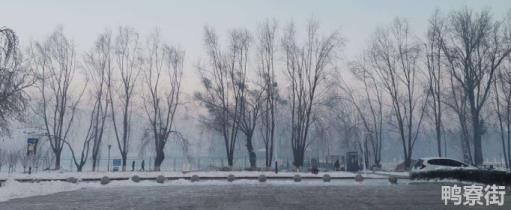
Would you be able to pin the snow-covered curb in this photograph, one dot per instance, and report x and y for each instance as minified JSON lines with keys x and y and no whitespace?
{"x":12,"y":189}
{"x":172,"y":174}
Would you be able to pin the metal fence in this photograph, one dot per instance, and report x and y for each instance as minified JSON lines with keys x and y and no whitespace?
{"x":180,"y":164}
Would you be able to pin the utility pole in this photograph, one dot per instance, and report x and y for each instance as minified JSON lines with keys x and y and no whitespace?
{"x":108,"y":164}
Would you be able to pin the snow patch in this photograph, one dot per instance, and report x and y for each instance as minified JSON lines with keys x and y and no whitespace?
{"x":11,"y":189}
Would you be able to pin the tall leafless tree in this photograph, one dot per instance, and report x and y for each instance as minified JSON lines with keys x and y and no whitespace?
{"x":266,"y":57}
{"x":121,"y":91}
{"x":80,"y":161}
{"x":15,"y":78}
{"x":370,"y":106}
{"x":99,"y":66}
{"x":163,"y":71}
{"x":435,"y":76}
{"x":475,"y":45}
{"x":306,"y":69}
{"x":224,"y":81}
{"x":394,"y":58}
{"x":55,"y":61}
{"x":502,"y":104}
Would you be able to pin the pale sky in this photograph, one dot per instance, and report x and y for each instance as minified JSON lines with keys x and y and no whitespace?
{"x":181,"y":22}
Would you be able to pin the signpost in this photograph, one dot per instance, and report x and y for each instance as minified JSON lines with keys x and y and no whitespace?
{"x":116,"y":164}
{"x":31,"y":151}
{"x":32,"y":146}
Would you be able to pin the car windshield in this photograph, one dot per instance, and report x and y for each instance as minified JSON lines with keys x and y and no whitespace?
{"x":446,"y":162}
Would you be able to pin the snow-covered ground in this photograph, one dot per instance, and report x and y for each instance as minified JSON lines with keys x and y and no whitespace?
{"x":13,"y":189}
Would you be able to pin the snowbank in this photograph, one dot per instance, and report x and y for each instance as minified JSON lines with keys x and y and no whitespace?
{"x":12,"y":189}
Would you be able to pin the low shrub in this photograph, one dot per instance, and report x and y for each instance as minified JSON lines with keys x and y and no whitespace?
{"x":195,"y":178}
{"x":135,"y":178}
{"x":470,"y":175}
{"x":326,"y":178}
{"x":231,"y":178}
{"x":297,"y":178}
{"x":359,"y":178}
{"x":105,"y":180}
{"x":262,"y":178}
{"x":393,"y":179}
{"x":160,"y":179}
{"x":72,"y":180}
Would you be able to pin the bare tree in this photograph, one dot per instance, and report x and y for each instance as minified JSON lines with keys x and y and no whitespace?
{"x":162,"y":77}
{"x":3,"y":158}
{"x":55,"y":61}
{"x":252,"y":103}
{"x":474,"y":45}
{"x":99,"y":66}
{"x":433,"y":54}
{"x":250,"y":97}
{"x":15,"y":78}
{"x":456,"y":101}
{"x":224,"y":82}
{"x":394,"y":58}
{"x":502,"y":104}
{"x":266,"y":58}
{"x":126,"y":58}
{"x":306,"y":68}
{"x":12,"y":160}
{"x":369,"y":107}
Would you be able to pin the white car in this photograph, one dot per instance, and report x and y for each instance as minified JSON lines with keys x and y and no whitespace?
{"x":427,"y":164}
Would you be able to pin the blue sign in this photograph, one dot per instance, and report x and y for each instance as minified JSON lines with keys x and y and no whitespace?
{"x":32,"y":146}
{"x":116,"y":162}
{"x":32,"y":140}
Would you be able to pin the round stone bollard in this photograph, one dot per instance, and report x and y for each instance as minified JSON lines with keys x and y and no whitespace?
{"x":195,"y":178}
{"x":160,"y":179}
{"x":297,"y":178}
{"x":393,"y":179}
{"x":262,"y":178}
{"x":105,"y":180}
{"x":135,"y":178}
{"x":326,"y":178}
{"x":359,"y":178}
{"x":72,"y":180}
{"x":231,"y":178}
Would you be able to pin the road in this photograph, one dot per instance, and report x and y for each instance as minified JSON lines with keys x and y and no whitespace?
{"x":249,"y":196}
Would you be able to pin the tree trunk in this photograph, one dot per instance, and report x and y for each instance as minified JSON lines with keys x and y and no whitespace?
{"x":230,"y":161}
{"x":57,"y":159}
{"x":408,"y":162}
{"x":439,"y":139}
{"x":160,"y":156}
{"x":94,"y":162}
{"x":298,"y":158}
{"x":124,"y":160}
{"x":478,"y":153}
{"x":251,"y":152}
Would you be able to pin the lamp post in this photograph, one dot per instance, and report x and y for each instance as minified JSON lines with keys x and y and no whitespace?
{"x":108,"y":164}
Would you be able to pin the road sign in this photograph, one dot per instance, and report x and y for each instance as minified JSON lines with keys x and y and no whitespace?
{"x":32,"y":146}
{"x":116,"y":163}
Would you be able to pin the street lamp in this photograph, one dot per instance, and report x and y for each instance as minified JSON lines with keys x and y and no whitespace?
{"x":109,"y":147}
